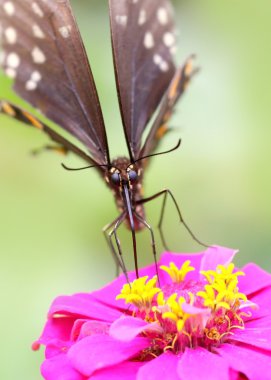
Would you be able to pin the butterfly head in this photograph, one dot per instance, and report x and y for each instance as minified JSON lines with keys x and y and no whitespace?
{"x":123,"y":173}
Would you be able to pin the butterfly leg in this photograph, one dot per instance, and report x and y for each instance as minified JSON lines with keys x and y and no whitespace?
{"x":53,"y":148}
{"x":105,"y":230}
{"x":153,"y":244}
{"x":165,"y":194}
{"x":117,"y":256}
{"x":117,"y":241}
{"x":63,"y":145}
{"x":19,"y":114}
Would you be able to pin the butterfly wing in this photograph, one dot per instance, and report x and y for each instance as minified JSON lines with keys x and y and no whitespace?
{"x":63,"y":145}
{"x":143,"y":41}
{"x":175,"y":90}
{"x":44,"y":53}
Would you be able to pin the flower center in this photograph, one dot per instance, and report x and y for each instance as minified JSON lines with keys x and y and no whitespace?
{"x":189,"y":313}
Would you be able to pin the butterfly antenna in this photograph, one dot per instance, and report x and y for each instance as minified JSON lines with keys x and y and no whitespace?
{"x":83,"y":168}
{"x":160,"y":153}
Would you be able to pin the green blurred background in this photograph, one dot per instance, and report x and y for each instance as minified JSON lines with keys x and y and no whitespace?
{"x":51,"y":219}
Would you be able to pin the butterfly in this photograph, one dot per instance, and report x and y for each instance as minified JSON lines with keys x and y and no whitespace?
{"x":42,"y":51}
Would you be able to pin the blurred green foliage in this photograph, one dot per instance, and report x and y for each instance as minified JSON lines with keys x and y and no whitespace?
{"x":51,"y":219}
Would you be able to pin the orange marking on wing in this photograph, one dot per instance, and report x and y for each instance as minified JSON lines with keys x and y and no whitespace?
{"x":33,"y":120}
{"x":174,"y":86}
{"x":60,"y":150}
{"x":186,"y":84}
{"x":161,"y":131}
{"x":167,"y":116}
{"x":188,"y":68}
{"x":8,"y":109}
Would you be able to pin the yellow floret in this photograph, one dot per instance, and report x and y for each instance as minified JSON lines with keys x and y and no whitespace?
{"x":140,"y":293}
{"x":177,"y":275}
{"x":175,"y":312}
{"x":222,"y":288}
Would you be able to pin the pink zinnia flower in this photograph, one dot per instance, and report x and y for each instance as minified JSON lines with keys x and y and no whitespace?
{"x":203,"y":319}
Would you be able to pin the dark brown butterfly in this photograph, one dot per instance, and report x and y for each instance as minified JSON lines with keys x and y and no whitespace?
{"x":43,"y":52}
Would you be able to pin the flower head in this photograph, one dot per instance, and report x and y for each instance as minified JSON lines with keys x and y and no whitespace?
{"x":204,"y":319}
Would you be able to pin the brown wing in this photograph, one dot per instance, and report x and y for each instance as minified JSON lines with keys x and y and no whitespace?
{"x":44,"y":53}
{"x":143,"y":41}
{"x":175,"y":90}
{"x":64,"y":146}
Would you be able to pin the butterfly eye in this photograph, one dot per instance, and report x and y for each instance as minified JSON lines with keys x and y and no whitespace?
{"x":115,"y":179}
{"x":133,"y":176}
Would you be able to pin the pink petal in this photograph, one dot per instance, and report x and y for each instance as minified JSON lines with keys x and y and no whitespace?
{"x":256,"y":365}
{"x":123,"y":371}
{"x":199,"y":363}
{"x":258,"y":337}
{"x":101,"y":351}
{"x":126,"y":329}
{"x":163,"y":367}
{"x":83,"y":305}
{"x":190,"y":309}
{"x":76,"y":329}
{"x":254,"y":280}
{"x":263,"y":300}
{"x":56,"y":347}
{"x":248,"y":305}
{"x":215,"y":256}
{"x":234,"y":375}
{"x":57,"y":328}
{"x":259,"y":322}
{"x":149,"y":271}
{"x":179,"y":259}
{"x":92,"y":328}
{"x":59,"y":368}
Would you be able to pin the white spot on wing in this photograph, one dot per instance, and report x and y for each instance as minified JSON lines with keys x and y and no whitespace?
{"x":148,"y":40}
{"x":162,"y":15}
{"x":37,"y":9}
{"x":13,"y":60}
{"x":10,"y":72}
{"x":38,"y":55}
{"x":9,"y":8}
{"x":142,"y":17}
{"x":169,"y":39}
{"x":37,"y":31}
{"x":11,"y":35}
{"x":160,"y":62}
{"x":32,"y":83}
{"x":157,"y":59}
{"x":164,"y":66}
{"x":121,"y":19}
{"x":65,"y":31}
{"x":36,"y":76}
